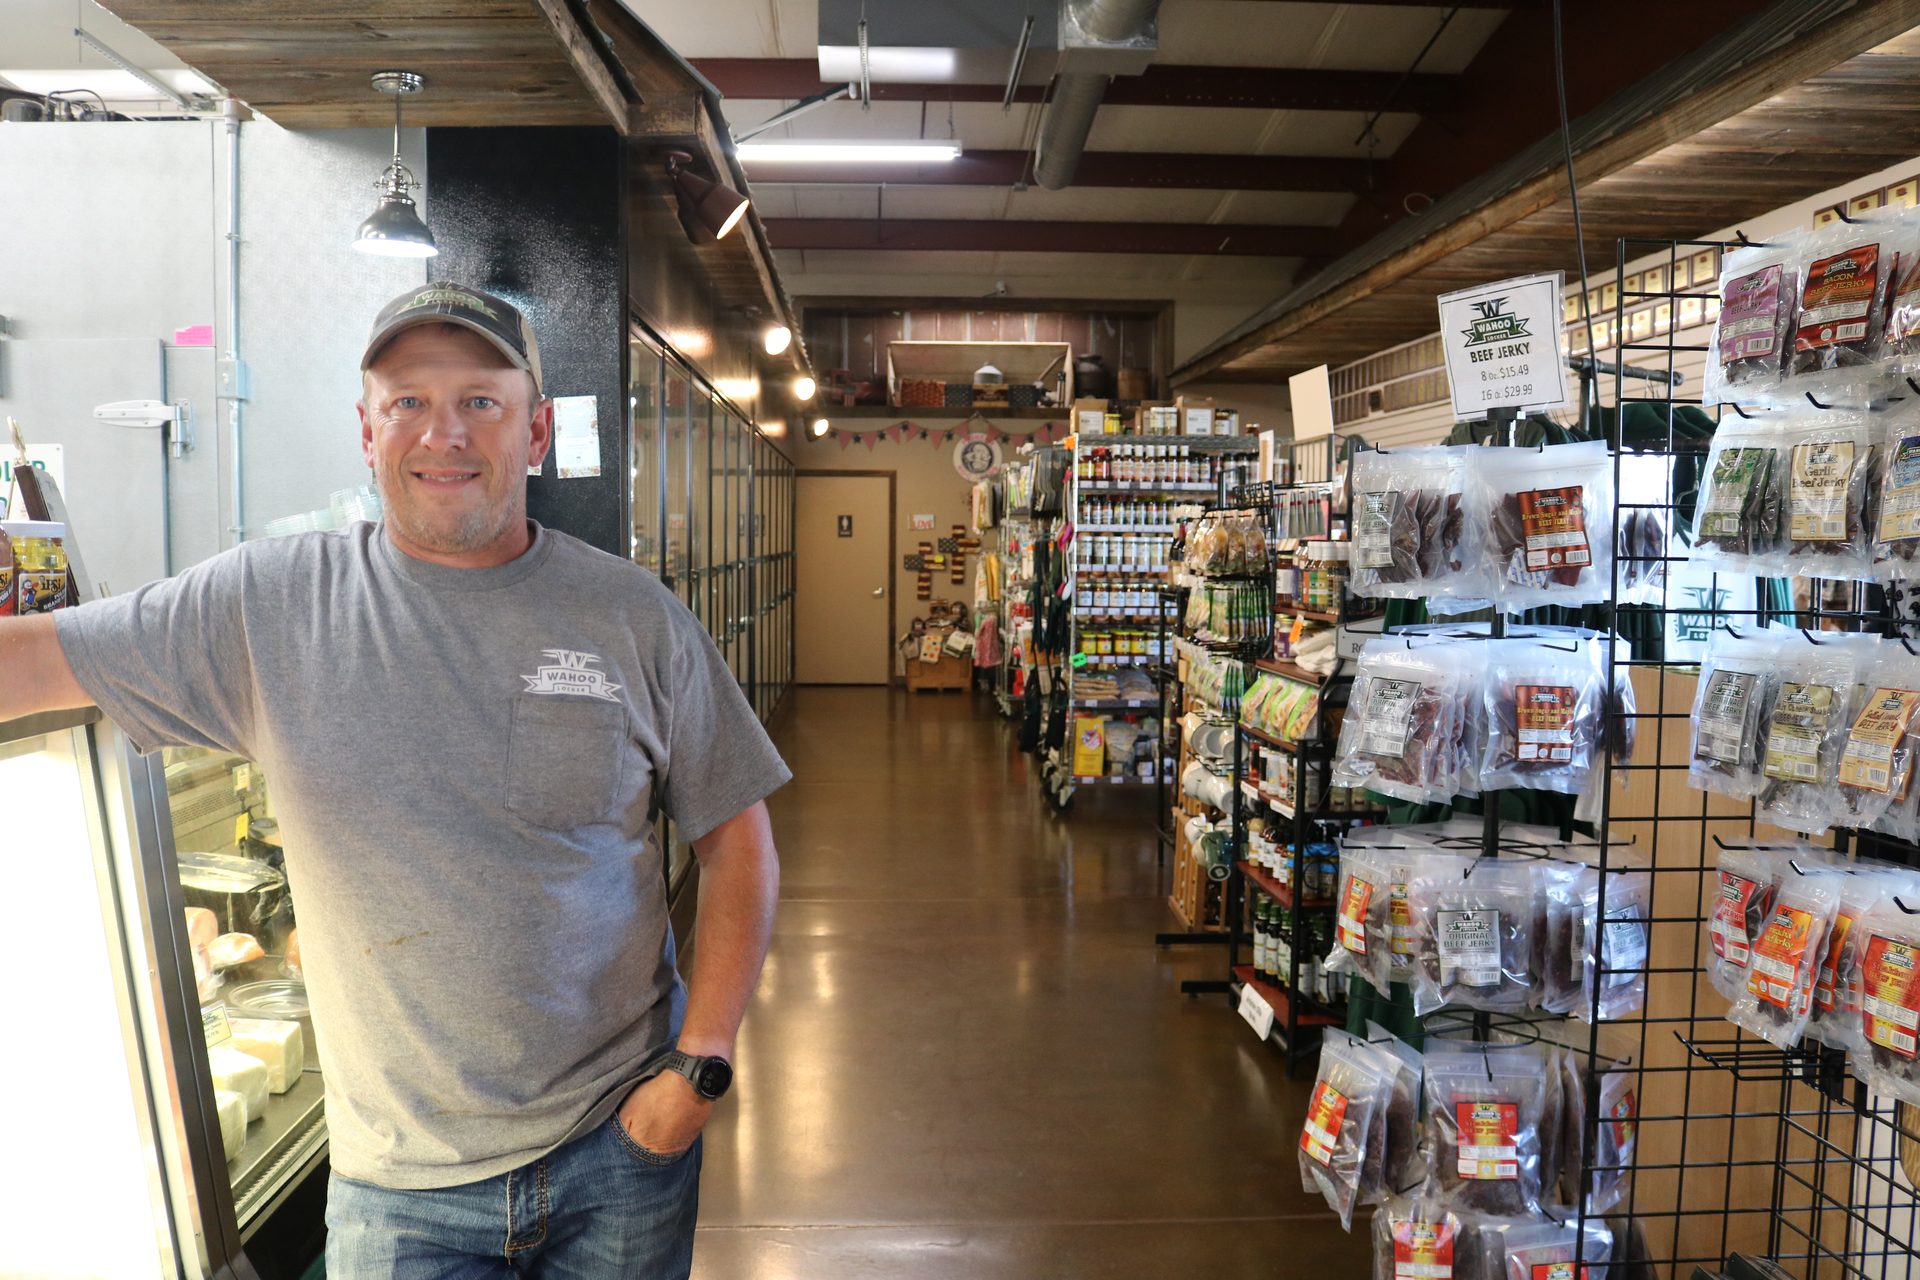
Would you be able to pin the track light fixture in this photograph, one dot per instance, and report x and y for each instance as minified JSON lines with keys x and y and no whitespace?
{"x":820,"y":427}
{"x":776,"y":339}
{"x":394,"y":229}
{"x":707,"y":210}
{"x":803,"y":388}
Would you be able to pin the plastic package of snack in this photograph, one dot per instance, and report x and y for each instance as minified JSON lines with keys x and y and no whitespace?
{"x":1876,"y":764}
{"x":1557,"y":1251}
{"x":1896,"y":531}
{"x":1393,"y":917}
{"x":1740,"y":521}
{"x":1787,"y":954}
{"x":1409,"y":523}
{"x":1805,"y":731}
{"x":1613,"y":967}
{"x":1556,"y":959}
{"x":1403,"y":1162}
{"x":1615,"y":1138}
{"x":1544,"y":709}
{"x":1401,"y":732}
{"x":1887,"y":1054}
{"x":1742,"y":904}
{"x":1901,"y":354}
{"x":1485,"y":1106}
{"x":1759,"y":293}
{"x":1474,"y":934}
{"x":1339,"y":1125}
{"x":1836,"y":985}
{"x":1839,"y":332}
{"x":1573,"y":1118}
{"x":1829,"y":462}
{"x":1730,"y":702}
{"x":1417,"y":1237}
{"x":1547,"y":516}
{"x":1360,"y":882}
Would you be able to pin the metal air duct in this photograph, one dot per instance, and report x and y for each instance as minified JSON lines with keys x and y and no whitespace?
{"x":1099,"y":39}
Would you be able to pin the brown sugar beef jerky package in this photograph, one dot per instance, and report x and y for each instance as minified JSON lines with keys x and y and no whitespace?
{"x":1475,"y":929}
{"x":1485,"y":1108}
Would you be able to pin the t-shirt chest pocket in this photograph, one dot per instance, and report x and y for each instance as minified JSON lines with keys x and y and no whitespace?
{"x":564,"y":760}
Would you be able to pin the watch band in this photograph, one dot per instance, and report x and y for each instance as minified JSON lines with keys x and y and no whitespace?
{"x":693,"y":1067}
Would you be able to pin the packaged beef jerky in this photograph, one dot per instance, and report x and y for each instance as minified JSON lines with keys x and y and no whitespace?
{"x":1340,"y":1119}
{"x":1805,"y":731}
{"x":1404,"y":1163}
{"x":1360,"y":882}
{"x":1896,"y":533}
{"x":1568,"y":1065}
{"x":1409,"y":523}
{"x":1615,"y":1139}
{"x":1836,"y":984}
{"x":1485,"y":1106}
{"x":1740,"y":520}
{"x":1401,"y":733}
{"x":1544,"y":715}
{"x":1759,"y":287}
{"x":1744,"y":885}
{"x":1613,"y":935}
{"x":1406,"y":942}
{"x":1838,"y":333}
{"x":1417,"y":1237}
{"x":1730,"y":703}
{"x":1887,"y":1055}
{"x":1786,"y":955}
{"x":1548,"y":517}
{"x":1557,"y":959}
{"x":1902,"y":346}
{"x":1876,"y":765}
{"x":1831,"y":508}
{"x":1557,"y":1251}
{"x":1474,"y":934}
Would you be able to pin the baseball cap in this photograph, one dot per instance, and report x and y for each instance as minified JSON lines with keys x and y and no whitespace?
{"x":444,"y":302}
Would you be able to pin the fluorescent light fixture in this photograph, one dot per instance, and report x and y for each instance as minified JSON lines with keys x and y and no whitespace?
{"x":849,"y":152}
{"x":898,"y":64}
{"x":803,"y":388}
{"x":776,"y":339}
{"x":820,"y":427}
{"x":114,"y":86}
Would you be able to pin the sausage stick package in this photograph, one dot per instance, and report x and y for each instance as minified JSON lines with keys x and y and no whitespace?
{"x":1729,"y":704}
{"x":1786,"y":956}
{"x":1742,"y":904}
{"x":1485,"y":1107}
{"x":1549,"y":516}
{"x":1831,"y":506}
{"x":1759,"y":292}
{"x":1545,"y":711}
{"x":1401,"y":733}
{"x":1409,"y":524}
{"x":1474,"y":935}
{"x":1806,"y":730}
{"x":1741,"y":517}
{"x":1334,"y":1141}
{"x":1887,"y":1055}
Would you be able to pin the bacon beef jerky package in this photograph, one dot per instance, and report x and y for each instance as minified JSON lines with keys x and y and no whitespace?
{"x":1831,"y":508}
{"x":1418,"y":1237}
{"x":1744,"y":886}
{"x":1401,"y":734}
{"x":1741,"y":517}
{"x":1547,"y":513}
{"x":1896,"y":529}
{"x":1787,"y":954}
{"x":1410,"y":534}
{"x":1836,"y":984}
{"x":1613,"y":936}
{"x":1545,"y":713}
{"x":1557,"y":1251}
{"x":1485,"y":1107}
{"x":1805,"y":730}
{"x":1730,"y":703}
{"x":1474,"y":929}
{"x":1876,"y":765}
{"x":1340,"y":1121}
{"x":1887,"y":1054}
{"x":1841,"y":325}
{"x":1759,"y":291}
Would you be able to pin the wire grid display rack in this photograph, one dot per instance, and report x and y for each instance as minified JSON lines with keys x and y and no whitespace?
{"x":1740,"y":1146}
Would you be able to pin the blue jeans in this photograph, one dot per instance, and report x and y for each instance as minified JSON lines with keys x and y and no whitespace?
{"x":601,"y":1206}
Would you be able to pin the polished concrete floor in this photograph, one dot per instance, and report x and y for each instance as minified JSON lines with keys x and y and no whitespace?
{"x":967,"y":1058}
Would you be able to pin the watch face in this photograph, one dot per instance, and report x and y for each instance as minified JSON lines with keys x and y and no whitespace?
{"x":715,"y":1077}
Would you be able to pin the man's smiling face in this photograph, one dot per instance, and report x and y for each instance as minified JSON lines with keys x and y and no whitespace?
{"x":449,"y":428}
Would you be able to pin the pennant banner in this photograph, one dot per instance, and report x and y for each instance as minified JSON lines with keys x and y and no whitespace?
{"x":844,"y":438}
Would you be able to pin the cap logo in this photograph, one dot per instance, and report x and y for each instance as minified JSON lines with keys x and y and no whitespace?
{"x":452,"y":297}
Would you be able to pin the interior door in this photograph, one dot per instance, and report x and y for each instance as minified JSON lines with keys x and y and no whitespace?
{"x":843,"y":523}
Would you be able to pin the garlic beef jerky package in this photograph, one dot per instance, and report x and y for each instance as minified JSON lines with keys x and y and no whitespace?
{"x":1548,"y":516}
{"x":1743,"y":902}
{"x":1485,"y":1107}
{"x":1340,"y":1122}
{"x":1401,"y":732}
{"x":1805,"y":731}
{"x":1786,"y":957}
{"x":1409,"y":523}
{"x":1759,"y":294}
{"x":1887,"y":1054}
{"x":1545,"y":710}
{"x":1729,"y":705}
{"x":1831,"y":506}
{"x":1740,"y":520}
{"x":1475,"y":927}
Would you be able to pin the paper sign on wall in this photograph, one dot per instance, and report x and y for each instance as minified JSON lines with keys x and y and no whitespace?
{"x":576,"y":436}
{"x":1503,"y":346}
{"x":48,"y":459}
{"x":923,"y":522}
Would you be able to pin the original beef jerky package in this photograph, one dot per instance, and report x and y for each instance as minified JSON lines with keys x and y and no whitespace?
{"x":1838,"y":334}
{"x":1544,"y":709}
{"x":1744,"y":887}
{"x":1548,"y":517}
{"x":1740,"y":520}
{"x":1831,"y":507}
{"x":1729,"y":705}
{"x":1485,"y":1106}
{"x":1418,"y":1237}
{"x":1787,"y":954}
{"x":1805,"y":730}
{"x":1887,"y":1055}
{"x":1409,"y":524}
{"x":1340,"y":1118}
{"x":1613,"y":964}
{"x":1759,"y":289}
{"x":1474,"y":934}
{"x":1896,"y":532}
{"x":1401,"y":733}
{"x":1876,"y":765}
{"x":1557,"y":1251}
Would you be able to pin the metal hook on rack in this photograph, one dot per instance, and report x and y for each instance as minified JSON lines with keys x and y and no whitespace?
{"x":1810,"y":637}
{"x":1797,"y":868}
{"x":1815,"y":403}
{"x":1738,"y":410}
{"x":1841,"y":213}
{"x":1914,"y":385}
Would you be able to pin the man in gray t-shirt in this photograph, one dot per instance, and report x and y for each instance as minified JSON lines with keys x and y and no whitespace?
{"x":470,"y":724}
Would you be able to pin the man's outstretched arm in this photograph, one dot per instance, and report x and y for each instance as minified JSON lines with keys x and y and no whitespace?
{"x":34,"y":675}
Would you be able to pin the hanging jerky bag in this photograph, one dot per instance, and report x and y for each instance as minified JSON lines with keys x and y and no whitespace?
{"x":1393,"y":918}
{"x":1787,"y":954}
{"x":1547,"y":514}
{"x":1876,"y":765}
{"x":1614,"y":956}
{"x":1841,"y":324}
{"x":1485,"y":1104}
{"x":1396,"y":1115}
{"x":1544,"y":715}
{"x":1836,"y":984}
{"x":1401,"y":730}
{"x":1474,"y":934}
{"x":1557,"y":960}
{"x":1359,"y":883}
{"x":1404,"y":1162}
{"x":1729,"y":705}
{"x":1896,"y":534}
{"x":1830,"y":508}
{"x":1743,"y":901}
{"x":1417,"y":1237}
{"x":1615,"y":1138}
{"x":1901,"y":353}
{"x":1740,"y":520}
{"x":1339,"y":1124}
{"x":1805,"y":731}
{"x":1887,"y":1055}
{"x":1573,"y":1118}
{"x":1409,"y":523}
{"x":1759,"y":290}
{"x":1557,"y":1251}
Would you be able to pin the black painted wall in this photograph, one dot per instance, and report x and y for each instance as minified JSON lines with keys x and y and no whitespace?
{"x":536,"y":215}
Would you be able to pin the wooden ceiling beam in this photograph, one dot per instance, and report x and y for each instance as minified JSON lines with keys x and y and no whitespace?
{"x":588,"y":65}
{"x":1162,"y":170}
{"x":1019,"y":236}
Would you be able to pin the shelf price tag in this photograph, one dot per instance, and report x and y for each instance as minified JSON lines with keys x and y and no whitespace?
{"x":1077,"y":661}
{"x":1502,"y":342}
{"x":1257,"y":1013}
{"x":214,"y":1024}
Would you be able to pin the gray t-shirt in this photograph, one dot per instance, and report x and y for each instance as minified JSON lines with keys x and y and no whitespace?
{"x":467,"y":765}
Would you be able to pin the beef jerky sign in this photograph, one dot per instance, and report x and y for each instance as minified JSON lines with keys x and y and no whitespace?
{"x":1503,"y":346}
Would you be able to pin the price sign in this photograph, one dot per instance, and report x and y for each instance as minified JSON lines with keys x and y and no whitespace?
{"x":1257,"y":1013}
{"x":1077,"y":661}
{"x":213,"y":1022}
{"x":1503,"y":346}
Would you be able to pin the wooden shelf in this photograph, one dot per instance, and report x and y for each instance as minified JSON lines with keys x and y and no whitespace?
{"x":1281,"y":893}
{"x":935,"y":413}
{"x":1278,"y":744}
{"x":1318,"y":615}
{"x":1281,"y":667}
{"x":1281,"y":1001}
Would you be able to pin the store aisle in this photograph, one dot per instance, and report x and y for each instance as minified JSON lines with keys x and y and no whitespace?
{"x":967,"y":1059}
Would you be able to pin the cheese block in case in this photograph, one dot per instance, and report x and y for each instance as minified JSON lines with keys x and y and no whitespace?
{"x":278,"y":1044}
{"x":243,"y":1073}
{"x":233,"y":1120}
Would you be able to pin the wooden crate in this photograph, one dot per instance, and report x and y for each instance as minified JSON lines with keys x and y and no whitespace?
{"x":1200,"y":903}
{"x":951,"y":672}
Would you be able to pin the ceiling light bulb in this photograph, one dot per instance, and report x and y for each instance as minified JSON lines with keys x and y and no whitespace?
{"x":820,"y":426}
{"x":394,"y":228}
{"x":804,"y":387}
{"x":777,"y":339}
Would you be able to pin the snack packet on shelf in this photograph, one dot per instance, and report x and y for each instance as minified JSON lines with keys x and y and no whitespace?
{"x":1401,"y":733}
{"x":1613,"y":965}
{"x":1742,"y":904}
{"x":1417,"y":1236}
{"x":1410,"y":533}
{"x":1545,"y":711}
{"x":1840,"y":331}
{"x":1740,"y":520}
{"x":1805,"y":730}
{"x":1887,"y":1054}
{"x":1876,"y":764}
{"x":1831,"y":507}
{"x":1485,"y":1106}
{"x":1896,"y":530}
{"x":1836,"y":986}
{"x":1557,"y":1251}
{"x":1474,"y":928}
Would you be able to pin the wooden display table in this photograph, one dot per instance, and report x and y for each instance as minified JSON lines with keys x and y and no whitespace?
{"x":951,"y":672}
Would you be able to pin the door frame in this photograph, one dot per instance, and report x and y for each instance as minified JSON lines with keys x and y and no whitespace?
{"x":893,"y":545}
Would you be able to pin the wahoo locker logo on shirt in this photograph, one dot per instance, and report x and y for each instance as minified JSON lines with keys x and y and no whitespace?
{"x":571,"y":673}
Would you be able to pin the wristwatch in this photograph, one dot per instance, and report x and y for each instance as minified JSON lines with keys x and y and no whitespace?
{"x":710,"y":1077}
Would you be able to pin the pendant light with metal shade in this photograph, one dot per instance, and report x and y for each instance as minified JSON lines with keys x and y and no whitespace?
{"x":394,"y":229}
{"x":708,"y":211}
